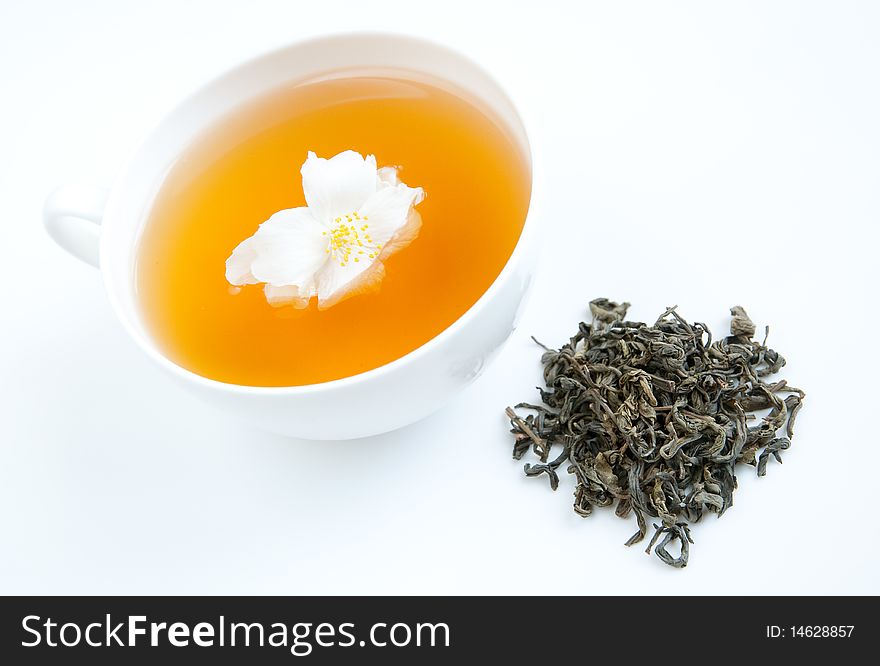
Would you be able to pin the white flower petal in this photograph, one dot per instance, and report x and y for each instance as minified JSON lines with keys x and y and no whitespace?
{"x":404,"y":236}
{"x":336,"y":283}
{"x":338,"y":186}
{"x":391,"y":223}
{"x":388,"y":211}
{"x":287,"y":295}
{"x":238,"y":265}
{"x":292,"y":252}
{"x":287,"y":250}
{"x":387,"y":176}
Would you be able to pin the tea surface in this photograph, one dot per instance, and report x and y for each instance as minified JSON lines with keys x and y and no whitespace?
{"x":247,"y":168}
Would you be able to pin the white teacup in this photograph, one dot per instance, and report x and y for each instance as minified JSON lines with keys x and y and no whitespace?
{"x":103,"y":228}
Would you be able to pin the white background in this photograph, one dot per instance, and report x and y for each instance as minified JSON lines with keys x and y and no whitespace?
{"x":667,"y":130}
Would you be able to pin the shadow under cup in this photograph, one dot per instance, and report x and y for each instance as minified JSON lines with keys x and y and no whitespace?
{"x":381,"y":399}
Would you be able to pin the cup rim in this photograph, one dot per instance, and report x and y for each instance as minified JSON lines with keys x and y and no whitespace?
{"x":528,"y":231}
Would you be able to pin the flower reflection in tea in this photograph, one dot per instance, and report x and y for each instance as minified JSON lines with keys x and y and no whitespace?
{"x":333,"y":248}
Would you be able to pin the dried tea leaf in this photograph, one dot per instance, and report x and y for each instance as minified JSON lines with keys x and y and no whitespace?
{"x":655,"y":418}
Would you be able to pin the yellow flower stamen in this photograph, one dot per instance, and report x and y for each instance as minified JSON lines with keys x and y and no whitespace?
{"x":345,"y":239}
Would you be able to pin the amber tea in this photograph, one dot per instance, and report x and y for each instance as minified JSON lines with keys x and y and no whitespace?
{"x":277,"y":322}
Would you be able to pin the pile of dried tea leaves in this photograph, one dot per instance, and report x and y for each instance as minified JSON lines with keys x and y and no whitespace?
{"x":655,"y":418}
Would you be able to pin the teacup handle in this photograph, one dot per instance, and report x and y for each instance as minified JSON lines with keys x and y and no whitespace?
{"x":72,"y":216}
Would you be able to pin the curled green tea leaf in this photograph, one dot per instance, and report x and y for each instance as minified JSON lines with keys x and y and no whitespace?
{"x":655,"y":418}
